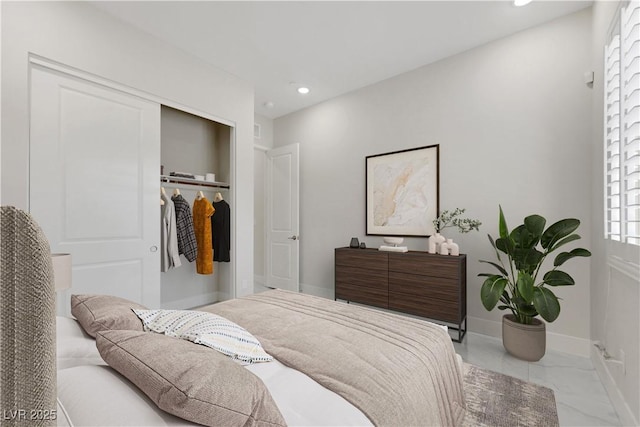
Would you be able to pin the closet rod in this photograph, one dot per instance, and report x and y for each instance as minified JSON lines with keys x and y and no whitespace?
{"x":187,"y":181}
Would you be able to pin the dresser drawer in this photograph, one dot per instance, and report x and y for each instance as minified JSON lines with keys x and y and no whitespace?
{"x":426,"y":306}
{"x":412,"y":284}
{"x":427,"y":264}
{"x":370,"y":259}
{"x":418,"y":283}
{"x":371,"y":296}
{"x":362,"y":277}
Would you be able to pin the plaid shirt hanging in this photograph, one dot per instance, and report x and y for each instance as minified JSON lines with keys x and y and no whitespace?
{"x":187,"y":244}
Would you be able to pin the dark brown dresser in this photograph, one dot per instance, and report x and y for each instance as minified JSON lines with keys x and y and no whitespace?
{"x":418,"y":283}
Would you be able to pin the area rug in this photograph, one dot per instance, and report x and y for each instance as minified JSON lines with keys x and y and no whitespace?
{"x":495,"y":399}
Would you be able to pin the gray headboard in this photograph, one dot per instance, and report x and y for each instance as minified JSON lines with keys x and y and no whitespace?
{"x":27,"y":322}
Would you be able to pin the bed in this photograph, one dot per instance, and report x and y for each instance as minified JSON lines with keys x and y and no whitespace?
{"x":334,"y":364}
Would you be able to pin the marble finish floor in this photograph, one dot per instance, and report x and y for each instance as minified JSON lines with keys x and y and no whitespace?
{"x":580,"y":396}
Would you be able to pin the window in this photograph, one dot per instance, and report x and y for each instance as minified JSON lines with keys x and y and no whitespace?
{"x":622,"y":127}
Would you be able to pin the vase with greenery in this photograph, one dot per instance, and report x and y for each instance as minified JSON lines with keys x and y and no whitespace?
{"x":521,"y":283}
{"x":450,"y":219}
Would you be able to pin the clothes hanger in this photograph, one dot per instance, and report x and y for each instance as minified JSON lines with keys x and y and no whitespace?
{"x":217,"y":197}
{"x":162,"y":191}
{"x":200,"y":195}
{"x":176,"y":192}
{"x":161,"y":202}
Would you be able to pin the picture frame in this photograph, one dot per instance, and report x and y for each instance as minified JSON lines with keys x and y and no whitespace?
{"x":403,"y":192}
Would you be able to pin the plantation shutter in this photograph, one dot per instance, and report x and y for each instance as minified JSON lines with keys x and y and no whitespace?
{"x":630,"y":126}
{"x":612,"y":136}
{"x":622,"y":129}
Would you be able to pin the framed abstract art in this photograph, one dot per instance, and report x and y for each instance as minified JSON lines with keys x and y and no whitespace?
{"x":403,"y":192}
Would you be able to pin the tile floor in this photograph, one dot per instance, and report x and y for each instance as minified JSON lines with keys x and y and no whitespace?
{"x":580,"y":396}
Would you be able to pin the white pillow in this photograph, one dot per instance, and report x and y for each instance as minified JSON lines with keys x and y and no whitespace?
{"x":207,"y":329}
{"x":74,"y":347}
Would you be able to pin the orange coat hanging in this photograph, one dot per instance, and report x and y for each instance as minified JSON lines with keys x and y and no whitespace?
{"x":202,"y":212}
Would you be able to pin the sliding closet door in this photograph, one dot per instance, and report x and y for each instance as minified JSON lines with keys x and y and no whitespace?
{"x":94,"y":183}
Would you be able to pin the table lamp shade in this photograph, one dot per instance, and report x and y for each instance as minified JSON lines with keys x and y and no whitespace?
{"x":62,"y":271}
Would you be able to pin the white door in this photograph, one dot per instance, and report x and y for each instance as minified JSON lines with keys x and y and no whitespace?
{"x":94,"y":183}
{"x":282,"y":208}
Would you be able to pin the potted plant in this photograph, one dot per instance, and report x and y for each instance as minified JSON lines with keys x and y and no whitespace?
{"x":522,"y":287}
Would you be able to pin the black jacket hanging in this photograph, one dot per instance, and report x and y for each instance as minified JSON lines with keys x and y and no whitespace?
{"x":221,"y":231}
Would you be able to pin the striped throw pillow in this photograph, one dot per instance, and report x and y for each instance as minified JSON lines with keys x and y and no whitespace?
{"x":206,"y":329}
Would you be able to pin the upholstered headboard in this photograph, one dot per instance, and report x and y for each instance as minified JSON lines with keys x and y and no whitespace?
{"x":27,"y":322}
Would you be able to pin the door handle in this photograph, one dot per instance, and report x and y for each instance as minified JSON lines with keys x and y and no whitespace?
{"x":153,"y":248}
{"x":294,"y":237}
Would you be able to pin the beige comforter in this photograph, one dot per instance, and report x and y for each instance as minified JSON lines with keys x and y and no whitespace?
{"x":396,"y":370}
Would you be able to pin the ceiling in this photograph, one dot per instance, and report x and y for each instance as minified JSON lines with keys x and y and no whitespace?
{"x":332,"y":47}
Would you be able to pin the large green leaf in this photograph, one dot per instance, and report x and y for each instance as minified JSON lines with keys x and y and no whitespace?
{"x":522,"y":238}
{"x":527,"y":259}
{"x":546,"y":303}
{"x":564,"y":241}
{"x":565,"y":256}
{"x":498,"y":266}
{"x":525,"y":286}
{"x":557,"y":231}
{"x":504,"y":230}
{"x":535,"y":225}
{"x":501,"y":245}
{"x":491,"y":290}
{"x":558,"y":278}
{"x":505,"y":245}
{"x":533,"y":257}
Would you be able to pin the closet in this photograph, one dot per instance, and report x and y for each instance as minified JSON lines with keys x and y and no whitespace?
{"x":194,"y":145}
{"x":96,"y":150}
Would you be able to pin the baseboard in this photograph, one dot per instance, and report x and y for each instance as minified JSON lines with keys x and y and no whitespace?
{"x":318,"y":291}
{"x":191,"y":302}
{"x":617,"y":399}
{"x":484,"y":327}
{"x":559,"y":342}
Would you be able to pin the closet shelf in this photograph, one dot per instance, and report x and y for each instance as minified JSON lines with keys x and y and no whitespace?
{"x":189,"y":181}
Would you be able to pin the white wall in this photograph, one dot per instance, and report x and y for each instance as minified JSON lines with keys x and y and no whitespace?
{"x":78,"y":35}
{"x":266,"y":131}
{"x":615,"y":296}
{"x":192,"y":144}
{"x":512,"y":120}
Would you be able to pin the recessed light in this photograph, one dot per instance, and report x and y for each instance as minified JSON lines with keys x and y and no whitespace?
{"x":303,"y":90}
{"x":521,"y":2}
{"x":269,"y":104}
